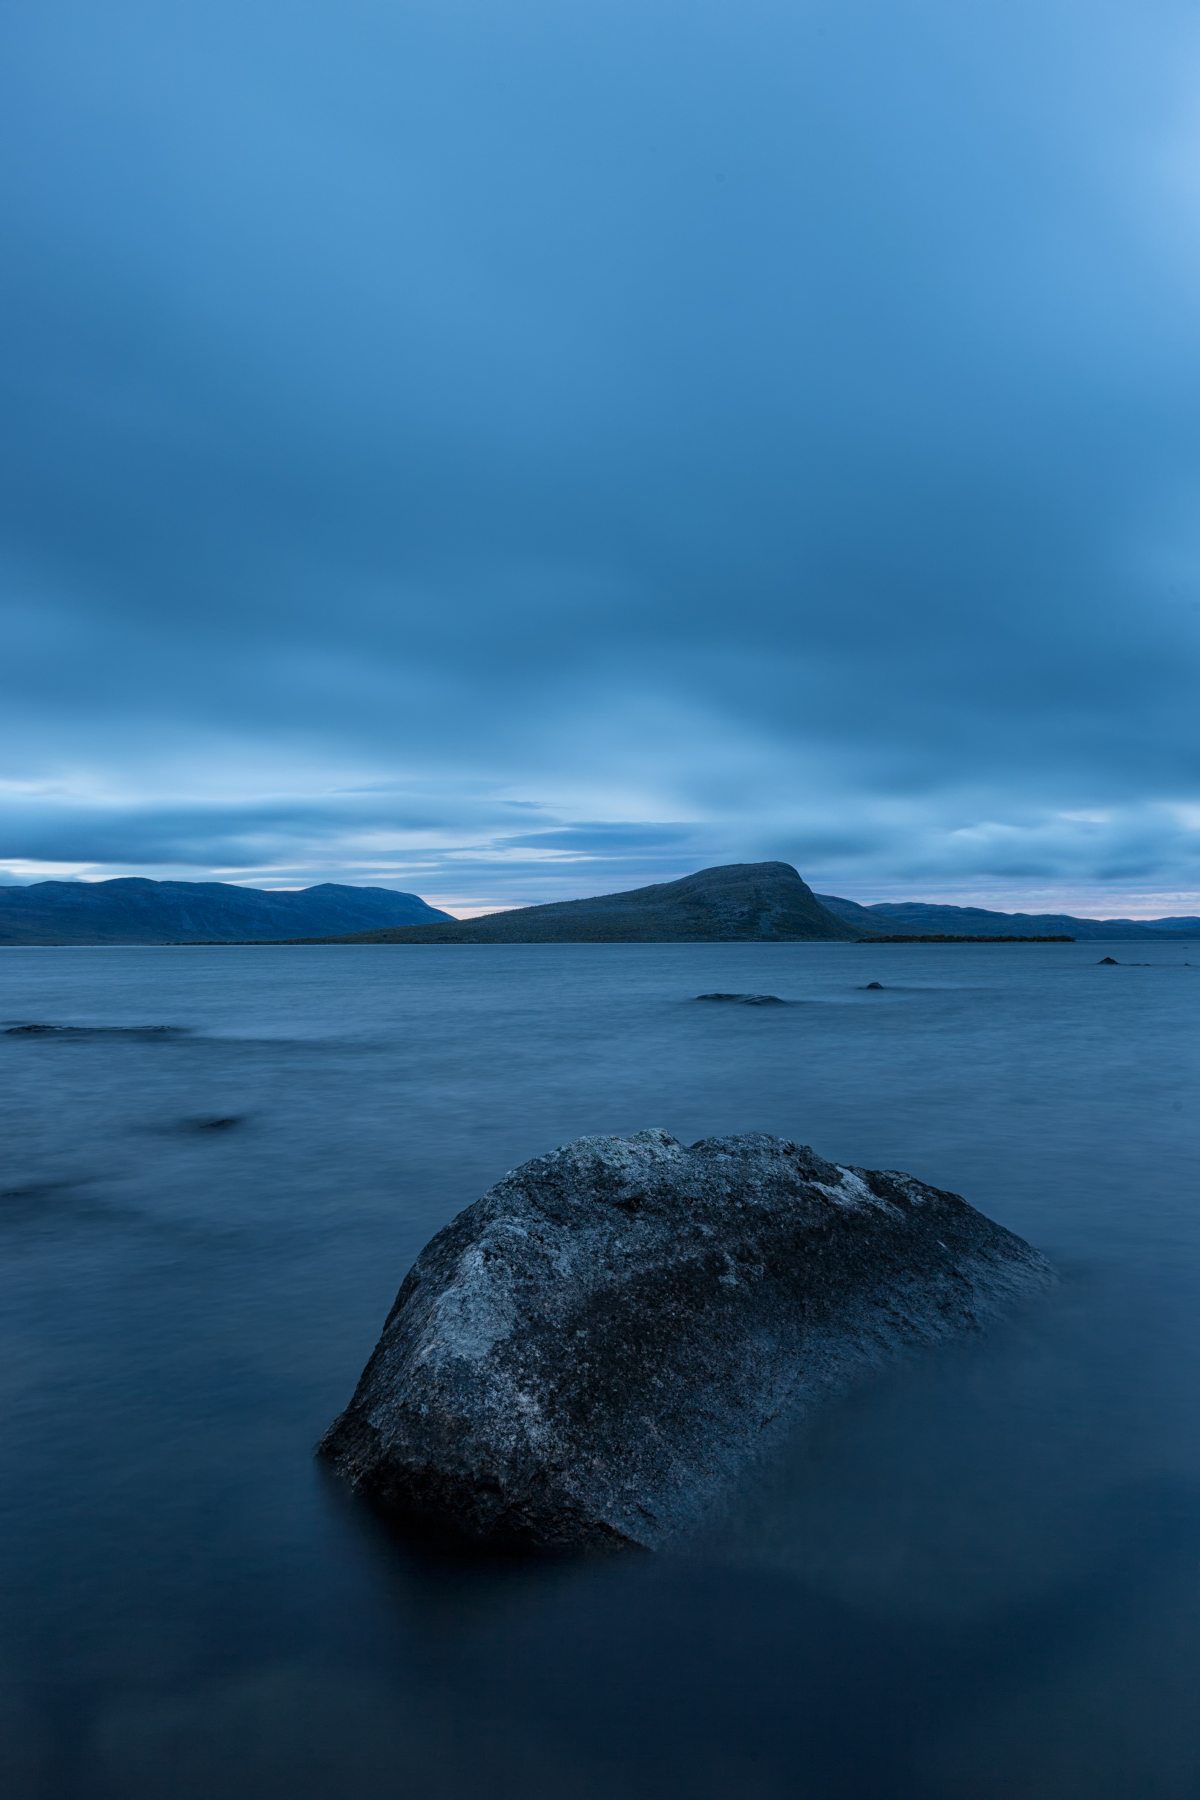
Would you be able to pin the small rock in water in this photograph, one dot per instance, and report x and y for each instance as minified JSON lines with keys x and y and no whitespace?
{"x":746,"y":999}
{"x":593,"y":1351}
{"x":1108,"y":959}
{"x":873,"y":984}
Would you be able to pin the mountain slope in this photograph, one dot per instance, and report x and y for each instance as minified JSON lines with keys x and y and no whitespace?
{"x":136,"y":911}
{"x":865,"y":920}
{"x":913,"y":916}
{"x":738,"y":903}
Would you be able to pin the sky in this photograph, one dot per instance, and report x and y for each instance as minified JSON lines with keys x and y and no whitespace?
{"x":515,"y":451}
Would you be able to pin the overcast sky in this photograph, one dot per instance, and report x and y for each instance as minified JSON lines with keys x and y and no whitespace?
{"x":522,"y":449}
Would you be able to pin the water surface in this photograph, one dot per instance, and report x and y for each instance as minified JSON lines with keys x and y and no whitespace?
{"x":980,"y":1576}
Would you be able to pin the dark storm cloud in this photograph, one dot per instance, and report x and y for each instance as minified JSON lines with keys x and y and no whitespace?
{"x":717,"y":431}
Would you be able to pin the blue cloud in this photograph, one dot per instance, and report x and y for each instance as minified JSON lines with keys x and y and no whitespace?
{"x":761,"y":430}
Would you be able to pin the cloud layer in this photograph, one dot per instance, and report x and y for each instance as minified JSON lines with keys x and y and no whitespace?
{"x":513,"y":452}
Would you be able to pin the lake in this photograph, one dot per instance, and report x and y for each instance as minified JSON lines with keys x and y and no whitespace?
{"x":977,"y":1578}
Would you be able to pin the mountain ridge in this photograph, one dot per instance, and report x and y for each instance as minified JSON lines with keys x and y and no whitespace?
{"x":914,"y":917}
{"x":135,"y":910}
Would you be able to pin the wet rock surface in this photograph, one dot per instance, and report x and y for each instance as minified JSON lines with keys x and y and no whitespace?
{"x":593,"y":1351}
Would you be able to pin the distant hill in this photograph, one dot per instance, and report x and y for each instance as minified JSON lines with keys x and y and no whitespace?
{"x":137,"y":911}
{"x":916,"y":916}
{"x":739,"y":903}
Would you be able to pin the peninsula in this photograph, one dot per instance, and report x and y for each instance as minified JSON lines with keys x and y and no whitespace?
{"x":737,"y":903}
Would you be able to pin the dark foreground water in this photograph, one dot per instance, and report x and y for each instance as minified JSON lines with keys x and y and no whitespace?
{"x":978,"y":1578}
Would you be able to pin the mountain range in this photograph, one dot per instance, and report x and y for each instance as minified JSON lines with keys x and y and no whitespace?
{"x":737,"y":902}
{"x":133,"y":910}
{"x":752,"y":902}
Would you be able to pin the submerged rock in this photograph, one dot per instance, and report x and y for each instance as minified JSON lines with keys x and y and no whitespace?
{"x":591,"y":1352}
{"x":746,"y":999}
{"x":150,"y":1033}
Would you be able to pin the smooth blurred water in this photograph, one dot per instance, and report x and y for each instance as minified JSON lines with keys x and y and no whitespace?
{"x":979,"y":1577}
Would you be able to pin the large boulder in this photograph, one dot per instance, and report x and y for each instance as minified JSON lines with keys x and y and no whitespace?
{"x":591,"y":1352}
